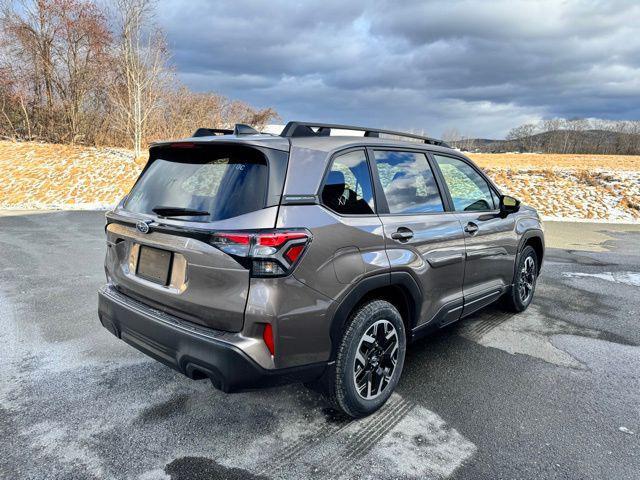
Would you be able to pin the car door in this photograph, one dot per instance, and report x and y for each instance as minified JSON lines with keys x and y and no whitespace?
{"x":490,"y":239}
{"x":348,"y":242}
{"x":421,"y":236}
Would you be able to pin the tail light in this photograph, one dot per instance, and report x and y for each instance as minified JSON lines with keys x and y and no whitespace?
{"x":266,"y":254}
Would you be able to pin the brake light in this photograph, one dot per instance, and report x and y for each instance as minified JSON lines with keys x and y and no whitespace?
{"x":266,"y":254}
{"x":277,"y":239}
{"x":239,"y":239}
{"x":236,"y":244}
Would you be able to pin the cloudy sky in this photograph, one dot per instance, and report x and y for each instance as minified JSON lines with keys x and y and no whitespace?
{"x":479,"y":66}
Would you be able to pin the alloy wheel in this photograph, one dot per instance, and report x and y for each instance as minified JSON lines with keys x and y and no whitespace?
{"x":527,"y":279}
{"x":376,"y":359}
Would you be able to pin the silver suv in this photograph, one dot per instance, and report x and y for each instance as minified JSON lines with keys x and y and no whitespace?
{"x":255,"y":260}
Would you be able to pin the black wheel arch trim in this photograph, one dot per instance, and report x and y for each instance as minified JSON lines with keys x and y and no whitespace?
{"x":526,"y":236}
{"x":401,"y":279}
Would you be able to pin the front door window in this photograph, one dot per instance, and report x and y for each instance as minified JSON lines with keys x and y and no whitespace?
{"x":469,"y":191}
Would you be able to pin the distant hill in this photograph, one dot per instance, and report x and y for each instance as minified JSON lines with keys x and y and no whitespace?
{"x":558,"y":141}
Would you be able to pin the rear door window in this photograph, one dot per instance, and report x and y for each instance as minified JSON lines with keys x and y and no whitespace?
{"x":408,"y":182}
{"x":223,"y":182}
{"x":347,"y":189}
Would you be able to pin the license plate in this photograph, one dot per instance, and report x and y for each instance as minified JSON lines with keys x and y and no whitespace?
{"x":154,"y":265}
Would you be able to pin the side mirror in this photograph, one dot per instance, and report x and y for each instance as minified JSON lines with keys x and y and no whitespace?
{"x":508,"y":205}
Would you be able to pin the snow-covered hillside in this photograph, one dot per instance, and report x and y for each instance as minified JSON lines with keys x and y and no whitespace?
{"x":47,"y":176}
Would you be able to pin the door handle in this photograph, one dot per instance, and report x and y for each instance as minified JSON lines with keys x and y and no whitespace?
{"x":403,"y":234}
{"x":471,"y":228}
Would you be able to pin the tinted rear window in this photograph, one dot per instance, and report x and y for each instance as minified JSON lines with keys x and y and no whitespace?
{"x":224,"y":182}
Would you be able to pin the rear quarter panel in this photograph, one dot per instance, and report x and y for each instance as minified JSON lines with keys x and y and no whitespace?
{"x":344,"y":249}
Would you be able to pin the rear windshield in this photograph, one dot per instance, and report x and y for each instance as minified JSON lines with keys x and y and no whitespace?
{"x":223,"y":182}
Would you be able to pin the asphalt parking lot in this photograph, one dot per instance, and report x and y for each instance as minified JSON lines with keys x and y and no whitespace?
{"x":551,"y":393}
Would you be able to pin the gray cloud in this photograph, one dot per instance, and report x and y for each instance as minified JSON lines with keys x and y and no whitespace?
{"x":482,"y":67}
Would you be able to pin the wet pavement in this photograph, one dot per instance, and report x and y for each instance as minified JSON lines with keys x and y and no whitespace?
{"x":550,"y":393}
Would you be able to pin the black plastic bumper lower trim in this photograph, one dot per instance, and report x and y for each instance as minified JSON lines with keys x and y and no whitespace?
{"x":192,"y":350}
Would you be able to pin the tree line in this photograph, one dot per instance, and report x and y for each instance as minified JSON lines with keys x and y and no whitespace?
{"x":559,"y":135}
{"x":76,"y":71}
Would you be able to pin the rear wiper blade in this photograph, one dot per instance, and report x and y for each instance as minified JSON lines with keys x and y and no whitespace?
{"x":178,"y":212}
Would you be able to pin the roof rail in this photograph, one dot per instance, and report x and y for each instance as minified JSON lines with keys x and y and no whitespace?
{"x":239,"y":129}
{"x":304,"y":129}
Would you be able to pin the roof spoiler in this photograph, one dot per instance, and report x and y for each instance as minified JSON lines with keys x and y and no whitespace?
{"x":239,"y":129}
{"x":305,"y":129}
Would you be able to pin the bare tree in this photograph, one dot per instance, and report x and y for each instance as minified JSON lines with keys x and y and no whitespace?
{"x":29,"y":32}
{"x":141,"y":68}
{"x":181,"y":111}
{"x":81,"y":57}
{"x":451,"y":135}
{"x":67,"y":75}
{"x":576,"y":142}
{"x":237,"y":111}
{"x":53,"y":53}
{"x":523,"y":135}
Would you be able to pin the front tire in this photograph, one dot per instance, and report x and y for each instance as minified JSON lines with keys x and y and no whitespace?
{"x":369,"y":361}
{"x":521,"y":292}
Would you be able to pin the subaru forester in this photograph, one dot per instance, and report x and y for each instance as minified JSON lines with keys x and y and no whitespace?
{"x":314,"y":256}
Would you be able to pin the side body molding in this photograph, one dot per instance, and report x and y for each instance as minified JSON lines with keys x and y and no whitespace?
{"x":442,"y":261}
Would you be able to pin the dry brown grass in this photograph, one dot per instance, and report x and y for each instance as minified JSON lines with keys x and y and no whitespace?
{"x":631,"y":203}
{"x":587,"y":177}
{"x":545,"y":161}
{"x":40,"y":176}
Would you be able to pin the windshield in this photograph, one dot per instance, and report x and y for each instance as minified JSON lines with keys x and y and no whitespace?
{"x":218,"y":183}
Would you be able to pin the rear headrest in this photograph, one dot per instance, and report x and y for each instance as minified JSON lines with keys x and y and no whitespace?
{"x":335,"y":178}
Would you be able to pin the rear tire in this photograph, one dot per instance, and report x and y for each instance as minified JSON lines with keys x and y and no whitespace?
{"x":369,"y":360}
{"x":520,"y":295}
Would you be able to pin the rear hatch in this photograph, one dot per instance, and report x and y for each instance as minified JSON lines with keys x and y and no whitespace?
{"x":160,"y":248}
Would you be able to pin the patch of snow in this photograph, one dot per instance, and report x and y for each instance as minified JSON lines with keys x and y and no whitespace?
{"x":550,"y":218}
{"x":626,"y":278}
{"x":422,"y":445}
{"x":529,"y":333}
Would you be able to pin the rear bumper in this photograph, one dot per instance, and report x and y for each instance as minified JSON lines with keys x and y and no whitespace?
{"x":191,"y":349}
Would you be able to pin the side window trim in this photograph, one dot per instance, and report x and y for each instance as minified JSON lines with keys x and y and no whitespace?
{"x":382,"y":207}
{"x":442,"y":184}
{"x":490,"y":185}
{"x":381,"y":199}
{"x":325,"y":177}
